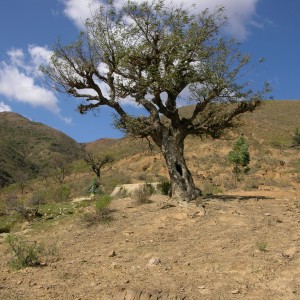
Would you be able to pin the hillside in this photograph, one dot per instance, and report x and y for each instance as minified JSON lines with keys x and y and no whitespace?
{"x":233,"y":243}
{"x":268,"y":130}
{"x":28,"y":147}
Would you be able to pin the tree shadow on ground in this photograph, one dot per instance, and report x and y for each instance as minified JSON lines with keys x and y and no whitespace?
{"x":234,"y":198}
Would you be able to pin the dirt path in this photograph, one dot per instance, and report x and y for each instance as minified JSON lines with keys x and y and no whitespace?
{"x":160,"y":251}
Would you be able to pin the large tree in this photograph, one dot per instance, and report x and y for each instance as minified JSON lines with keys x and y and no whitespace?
{"x":160,"y":57}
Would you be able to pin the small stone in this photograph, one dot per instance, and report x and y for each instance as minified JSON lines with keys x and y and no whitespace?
{"x":267,"y":214}
{"x":114,"y":266}
{"x":235,"y":292}
{"x":154,"y":261}
{"x":112,"y":253}
{"x":201,"y":287}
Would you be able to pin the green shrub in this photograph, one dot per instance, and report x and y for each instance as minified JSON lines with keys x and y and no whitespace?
{"x":94,"y":187}
{"x":164,"y":187}
{"x":61,"y":193}
{"x":211,"y":189}
{"x":5,"y":226}
{"x":102,"y":202}
{"x":27,"y":253}
{"x":102,"y":213}
{"x":261,"y":246}
{"x":150,"y":188}
{"x":296,"y":138}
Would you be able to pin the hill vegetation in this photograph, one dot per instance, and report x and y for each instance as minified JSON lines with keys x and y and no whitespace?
{"x":28,"y":148}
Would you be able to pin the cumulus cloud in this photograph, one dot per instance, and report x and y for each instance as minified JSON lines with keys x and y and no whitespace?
{"x":241,"y":13}
{"x":4,"y":107}
{"x":79,"y":10}
{"x":19,"y":79}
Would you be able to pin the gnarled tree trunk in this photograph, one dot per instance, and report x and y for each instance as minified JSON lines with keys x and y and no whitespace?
{"x":182,"y":183}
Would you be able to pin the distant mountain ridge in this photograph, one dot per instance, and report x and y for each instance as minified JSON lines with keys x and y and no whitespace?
{"x":27,"y":147}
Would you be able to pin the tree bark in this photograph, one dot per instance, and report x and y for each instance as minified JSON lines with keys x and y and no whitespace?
{"x":182,"y":183}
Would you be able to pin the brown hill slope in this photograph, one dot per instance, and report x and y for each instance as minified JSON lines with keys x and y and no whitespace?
{"x":269,"y":131}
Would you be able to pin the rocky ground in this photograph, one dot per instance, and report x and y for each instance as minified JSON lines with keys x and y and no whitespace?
{"x":243,"y":245}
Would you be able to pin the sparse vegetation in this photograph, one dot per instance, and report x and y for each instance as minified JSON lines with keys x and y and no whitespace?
{"x":94,"y":187}
{"x":164,"y":187}
{"x":240,"y":157}
{"x":261,"y":246}
{"x":296,"y":138}
{"x":143,"y":193}
{"x":27,"y":253}
{"x":101,"y":213}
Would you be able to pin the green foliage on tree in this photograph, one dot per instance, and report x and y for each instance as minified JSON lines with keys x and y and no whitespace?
{"x":240,"y":157}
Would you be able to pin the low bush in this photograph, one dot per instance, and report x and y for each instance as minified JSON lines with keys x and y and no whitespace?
{"x":296,"y":138}
{"x":164,"y":187}
{"x":142,"y":194}
{"x":61,"y":193}
{"x":27,"y":253}
{"x":94,"y":187}
{"x":101,"y":214}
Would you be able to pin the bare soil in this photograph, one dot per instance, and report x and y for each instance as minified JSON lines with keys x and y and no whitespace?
{"x":243,"y":245}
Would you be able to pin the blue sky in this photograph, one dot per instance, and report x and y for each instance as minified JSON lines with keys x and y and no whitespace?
{"x":29,"y":28}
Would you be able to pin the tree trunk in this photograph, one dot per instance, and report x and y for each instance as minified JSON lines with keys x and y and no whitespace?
{"x":182,"y":183}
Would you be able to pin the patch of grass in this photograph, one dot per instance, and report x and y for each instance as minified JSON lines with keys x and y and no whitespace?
{"x":297,"y":166}
{"x":261,"y":246}
{"x":211,"y":189}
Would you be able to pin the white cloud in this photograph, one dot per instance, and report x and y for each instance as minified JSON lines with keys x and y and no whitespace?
{"x":4,"y":107}
{"x":20,"y":82}
{"x":241,"y":13}
{"x":39,"y":55}
{"x":15,"y":84}
{"x":79,"y":10}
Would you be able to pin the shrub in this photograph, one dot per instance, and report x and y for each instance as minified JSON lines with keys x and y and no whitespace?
{"x":5,"y":227}
{"x":61,"y":193}
{"x":102,"y":212}
{"x":38,"y":198}
{"x":296,"y":138}
{"x":142,"y":194}
{"x":261,"y":246}
{"x":164,"y":187}
{"x":27,"y":253}
{"x":122,"y":193}
{"x":211,"y":189}
{"x":150,"y":188}
{"x":94,"y":187}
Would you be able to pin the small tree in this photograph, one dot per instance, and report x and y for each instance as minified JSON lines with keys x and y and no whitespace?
{"x":97,"y":162}
{"x":240,"y":157}
{"x":296,"y":138}
{"x":160,"y":57}
{"x":61,"y":169}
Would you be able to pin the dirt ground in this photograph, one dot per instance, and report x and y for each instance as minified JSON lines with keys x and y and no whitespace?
{"x":240,"y":246}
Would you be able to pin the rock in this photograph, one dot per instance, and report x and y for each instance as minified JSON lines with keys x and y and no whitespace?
{"x":154,"y":261}
{"x":235,"y":292}
{"x":112,"y":253}
{"x":132,"y":295}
